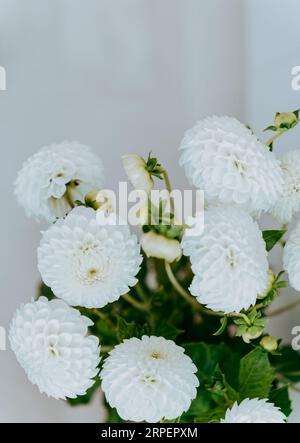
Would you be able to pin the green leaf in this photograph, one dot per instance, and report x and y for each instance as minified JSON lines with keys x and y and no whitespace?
{"x":212,"y":416}
{"x":222,"y":328}
{"x":124,"y":329}
{"x":207,"y":356}
{"x":221,"y":390}
{"x":280,"y":398}
{"x":84,"y":399}
{"x":271,"y":237}
{"x":168,"y":331}
{"x":200,"y":405}
{"x":45,"y":291}
{"x":256,"y":375}
{"x":288,"y":364}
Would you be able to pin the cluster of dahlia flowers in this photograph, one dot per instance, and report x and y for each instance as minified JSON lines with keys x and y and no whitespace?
{"x":136,"y":314}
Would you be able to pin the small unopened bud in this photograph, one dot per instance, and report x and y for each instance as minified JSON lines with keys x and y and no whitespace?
{"x":269,"y":343}
{"x":158,"y":246}
{"x":137,"y":172}
{"x":105,"y":201}
{"x":285,"y":120}
{"x":271,"y":278}
{"x":91,"y":200}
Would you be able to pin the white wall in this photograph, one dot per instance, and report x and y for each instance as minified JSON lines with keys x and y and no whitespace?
{"x":271,"y":49}
{"x":120,"y":75}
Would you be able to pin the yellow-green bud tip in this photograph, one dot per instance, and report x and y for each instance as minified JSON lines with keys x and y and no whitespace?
{"x":285,"y":120}
{"x":269,"y":343}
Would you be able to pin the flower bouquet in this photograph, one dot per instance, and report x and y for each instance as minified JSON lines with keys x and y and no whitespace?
{"x":168,"y":323}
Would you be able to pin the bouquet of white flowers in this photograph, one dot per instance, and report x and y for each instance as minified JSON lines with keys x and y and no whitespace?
{"x":171,"y":326}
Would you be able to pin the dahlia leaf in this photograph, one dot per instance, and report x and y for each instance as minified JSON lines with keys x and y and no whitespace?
{"x":256,"y":375}
{"x":280,"y":398}
{"x":271,"y":237}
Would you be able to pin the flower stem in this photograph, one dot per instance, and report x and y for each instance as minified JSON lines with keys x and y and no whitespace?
{"x":284,"y":309}
{"x":106,"y":349}
{"x":135,"y":303}
{"x":139,"y":290}
{"x":167,"y":181}
{"x":169,"y":188}
{"x":272,"y":139}
{"x":68,"y":197}
{"x":177,"y":286}
{"x":98,"y":313}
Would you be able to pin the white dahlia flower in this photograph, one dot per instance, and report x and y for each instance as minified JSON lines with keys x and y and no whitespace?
{"x":224,"y":159}
{"x":49,"y":339}
{"x":56,"y":175}
{"x":288,"y":205}
{"x":254,"y":410}
{"x":291,"y":258}
{"x":88,"y":264}
{"x":229,"y":260}
{"x":149,"y":379}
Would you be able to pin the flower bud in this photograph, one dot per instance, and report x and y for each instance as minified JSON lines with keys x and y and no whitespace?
{"x":271,"y":278}
{"x":137,"y":172}
{"x":285,"y":120}
{"x":91,"y":200}
{"x":269,"y":343}
{"x":158,"y":246}
{"x":105,"y":201}
{"x":252,"y":333}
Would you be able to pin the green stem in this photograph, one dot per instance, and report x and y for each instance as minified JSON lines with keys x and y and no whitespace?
{"x":167,"y":181}
{"x":272,"y":139}
{"x":169,"y":189}
{"x":139,"y":290}
{"x":197,"y":306}
{"x":284,"y":309}
{"x":68,"y":197}
{"x":135,"y":303}
{"x":99,"y":314}
{"x":186,"y":295}
{"x":178,"y":288}
{"x":106,"y":349}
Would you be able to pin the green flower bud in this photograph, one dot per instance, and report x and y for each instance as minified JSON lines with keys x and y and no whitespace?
{"x":91,"y":200}
{"x":252,"y":333}
{"x":269,"y":343}
{"x":285,"y":120}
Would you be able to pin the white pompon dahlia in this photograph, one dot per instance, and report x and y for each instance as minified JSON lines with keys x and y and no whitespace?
{"x":86,"y":263}
{"x":224,"y":159}
{"x":229,"y":260}
{"x":289,"y":203}
{"x":49,"y":339}
{"x":149,"y":379}
{"x":291,"y":258}
{"x":56,"y":174}
{"x":254,"y":410}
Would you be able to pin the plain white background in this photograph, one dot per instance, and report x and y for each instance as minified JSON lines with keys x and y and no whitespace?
{"x":126,"y":76}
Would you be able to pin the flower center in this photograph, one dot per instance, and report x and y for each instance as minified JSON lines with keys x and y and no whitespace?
{"x":156,"y":355}
{"x":92,"y":265}
{"x":231,"y":258}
